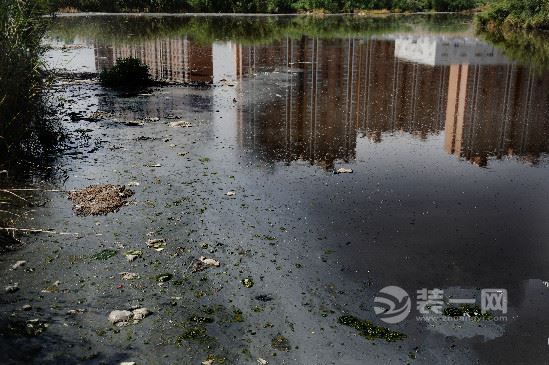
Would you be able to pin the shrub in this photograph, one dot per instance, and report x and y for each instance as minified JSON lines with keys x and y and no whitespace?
{"x":127,"y":73}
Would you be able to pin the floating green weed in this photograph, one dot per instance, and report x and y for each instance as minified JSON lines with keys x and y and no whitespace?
{"x":369,"y":330}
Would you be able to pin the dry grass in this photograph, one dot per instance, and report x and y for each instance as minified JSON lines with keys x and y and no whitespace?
{"x":99,"y":199}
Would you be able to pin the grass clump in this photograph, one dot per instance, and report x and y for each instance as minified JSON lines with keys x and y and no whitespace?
{"x":369,"y":330}
{"x":27,"y":130}
{"x":127,"y":73}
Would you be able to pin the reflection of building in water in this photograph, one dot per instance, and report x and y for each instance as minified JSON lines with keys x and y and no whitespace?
{"x":171,"y":59}
{"x":336,"y":89}
{"x":319,"y":94}
{"x":446,"y":51}
{"x":497,"y":111}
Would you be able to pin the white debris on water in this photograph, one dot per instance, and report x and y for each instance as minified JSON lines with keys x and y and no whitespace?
{"x":18,"y":264}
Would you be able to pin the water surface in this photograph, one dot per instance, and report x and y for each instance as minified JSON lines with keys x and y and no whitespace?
{"x":447,"y":137}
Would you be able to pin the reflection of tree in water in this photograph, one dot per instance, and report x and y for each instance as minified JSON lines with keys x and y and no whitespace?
{"x":338,"y":89}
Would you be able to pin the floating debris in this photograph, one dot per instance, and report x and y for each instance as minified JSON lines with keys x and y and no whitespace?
{"x":157,"y":244}
{"x":231,"y":193}
{"x":343,"y":170}
{"x":74,"y":312}
{"x":262,"y":361}
{"x":26,"y":307}
{"x":129,"y":275}
{"x":162,"y":278}
{"x":140,"y":313}
{"x":18,"y":264}
{"x":180,"y":124}
{"x":131,"y":255}
{"x":99,"y":199}
{"x":281,"y":343}
{"x":133,"y":183}
{"x":203,"y":263}
{"x":104,"y":255}
{"x":248,"y":282}
{"x":128,"y":363}
{"x":467,"y":310}
{"x":12,"y":288}
{"x":54,"y":288}
{"x":153,"y":165}
{"x":369,"y":330}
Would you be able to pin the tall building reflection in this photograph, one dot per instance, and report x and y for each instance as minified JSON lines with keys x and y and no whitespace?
{"x":310,"y":98}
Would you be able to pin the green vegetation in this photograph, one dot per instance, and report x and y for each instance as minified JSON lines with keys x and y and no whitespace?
{"x":127,"y":73}
{"x":261,"y":6}
{"x":369,"y":330}
{"x":246,"y":30}
{"x":526,"y":47}
{"x":25,"y":129}
{"x":467,"y":310}
{"x":528,"y":14}
{"x":104,"y":255}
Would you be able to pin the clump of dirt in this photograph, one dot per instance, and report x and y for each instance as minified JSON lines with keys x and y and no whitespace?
{"x":99,"y":199}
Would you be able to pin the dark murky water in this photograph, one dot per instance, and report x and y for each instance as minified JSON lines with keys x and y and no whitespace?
{"x":446,"y":135}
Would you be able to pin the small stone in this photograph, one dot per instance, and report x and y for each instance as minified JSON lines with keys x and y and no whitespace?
{"x":18,"y":264}
{"x":141,"y":313}
{"x":12,"y":288}
{"x":118,"y":316}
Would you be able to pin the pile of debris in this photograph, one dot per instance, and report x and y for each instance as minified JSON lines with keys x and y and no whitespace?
{"x":99,"y":199}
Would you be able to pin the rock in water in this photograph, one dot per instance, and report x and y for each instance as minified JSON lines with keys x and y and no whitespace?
{"x":141,"y":313}
{"x":117,"y":316}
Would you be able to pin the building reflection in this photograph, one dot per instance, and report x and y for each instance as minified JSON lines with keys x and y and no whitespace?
{"x":310,"y":98}
{"x":169,"y":59}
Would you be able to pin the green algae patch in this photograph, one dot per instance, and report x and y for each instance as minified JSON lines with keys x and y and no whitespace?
{"x":104,"y":255}
{"x":237,"y":316}
{"x":369,"y":330}
{"x":467,"y":310}
{"x":248,"y":282}
{"x":281,"y":343}
{"x":197,"y":334}
{"x":200,"y":319}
